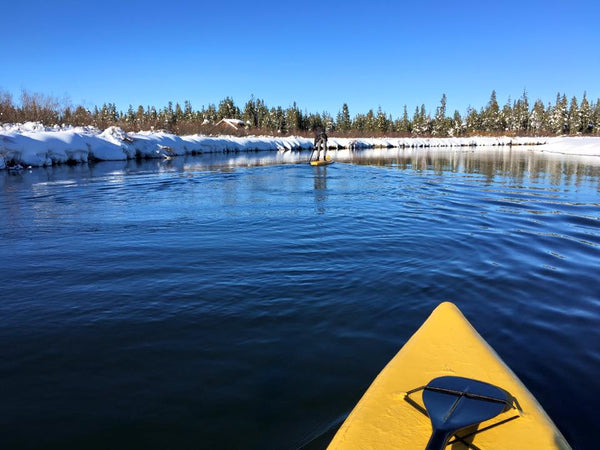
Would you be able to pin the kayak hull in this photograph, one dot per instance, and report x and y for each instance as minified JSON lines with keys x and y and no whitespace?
{"x":445,"y":345}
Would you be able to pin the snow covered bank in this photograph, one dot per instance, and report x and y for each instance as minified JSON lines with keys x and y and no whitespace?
{"x":32,"y":144}
{"x":584,"y":146}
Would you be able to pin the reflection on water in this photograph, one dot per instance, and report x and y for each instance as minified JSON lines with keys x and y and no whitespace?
{"x":320,"y":184}
{"x":516,"y":163}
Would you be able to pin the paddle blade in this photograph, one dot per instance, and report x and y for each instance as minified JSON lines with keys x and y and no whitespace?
{"x":454,"y":403}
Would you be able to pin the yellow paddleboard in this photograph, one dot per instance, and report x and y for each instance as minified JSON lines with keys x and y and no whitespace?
{"x":321,"y":162}
{"x":446,"y":344}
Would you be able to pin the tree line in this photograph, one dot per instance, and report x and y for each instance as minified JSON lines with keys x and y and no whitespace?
{"x":519,"y":117}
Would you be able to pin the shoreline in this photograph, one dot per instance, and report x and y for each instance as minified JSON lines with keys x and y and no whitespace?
{"x":35,"y":145}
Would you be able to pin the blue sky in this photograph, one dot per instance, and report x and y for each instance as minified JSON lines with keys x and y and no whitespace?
{"x":319,"y":54}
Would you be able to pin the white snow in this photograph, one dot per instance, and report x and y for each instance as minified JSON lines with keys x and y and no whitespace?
{"x":32,"y":144}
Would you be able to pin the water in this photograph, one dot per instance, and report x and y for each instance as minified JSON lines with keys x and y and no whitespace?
{"x":247,"y":301}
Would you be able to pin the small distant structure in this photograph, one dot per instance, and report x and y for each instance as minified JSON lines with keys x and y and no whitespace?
{"x":236,"y":124}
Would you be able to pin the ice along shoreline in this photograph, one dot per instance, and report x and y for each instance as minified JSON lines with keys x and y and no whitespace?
{"x":32,"y":144}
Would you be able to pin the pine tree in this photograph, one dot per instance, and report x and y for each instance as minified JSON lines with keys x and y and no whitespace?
{"x":538,"y":118}
{"x":228,"y":110}
{"x":359,"y":123}
{"x":328,"y":122}
{"x":596,"y":117}
{"x":585,"y":116}
{"x":457,"y":126}
{"x":381,"y":121}
{"x":315,"y":122}
{"x":81,"y":116}
{"x":262,"y":114}
{"x":188,"y":113}
{"x":343,"y":121}
{"x":140,"y":117}
{"x":405,"y":123}
{"x":558,"y":120}
{"x":421,"y":122}
{"x":490,"y":117}
{"x":370,"y":121}
{"x":472,"y":121}
{"x":520,"y":122}
{"x":250,"y":115}
{"x":293,"y":118}
{"x":130,"y":116}
{"x":506,"y":116}
{"x":574,"y":120}
{"x":441,"y":124}
{"x":178,"y":114}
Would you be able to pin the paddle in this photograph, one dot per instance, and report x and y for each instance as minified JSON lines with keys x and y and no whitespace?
{"x":454,"y":403}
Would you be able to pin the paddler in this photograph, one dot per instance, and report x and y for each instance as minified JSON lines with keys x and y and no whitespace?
{"x":321,"y":143}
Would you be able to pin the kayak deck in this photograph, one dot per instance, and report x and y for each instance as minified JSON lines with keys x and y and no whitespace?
{"x":446,"y":344}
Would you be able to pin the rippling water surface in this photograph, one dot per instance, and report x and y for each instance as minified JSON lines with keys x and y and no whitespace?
{"x":247,"y":301}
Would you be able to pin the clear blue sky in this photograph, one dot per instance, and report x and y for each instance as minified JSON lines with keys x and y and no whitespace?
{"x":319,"y":54}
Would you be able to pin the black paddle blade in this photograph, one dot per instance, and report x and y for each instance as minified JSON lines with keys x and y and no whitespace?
{"x":454,"y":403}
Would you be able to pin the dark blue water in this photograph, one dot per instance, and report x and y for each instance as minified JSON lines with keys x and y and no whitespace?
{"x":248,"y":301}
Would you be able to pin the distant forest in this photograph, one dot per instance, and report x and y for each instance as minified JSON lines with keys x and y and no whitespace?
{"x":518,"y":117}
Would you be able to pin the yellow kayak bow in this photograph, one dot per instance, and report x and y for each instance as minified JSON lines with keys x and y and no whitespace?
{"x":392,"y":414}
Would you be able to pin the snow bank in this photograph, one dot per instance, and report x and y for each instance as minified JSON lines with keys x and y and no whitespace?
{"x":32,"y":144}
{"x":584,"y":146}
{"x":35,"y":145}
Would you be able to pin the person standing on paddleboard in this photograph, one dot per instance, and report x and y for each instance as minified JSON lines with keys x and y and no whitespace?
{"x":321,"y":143}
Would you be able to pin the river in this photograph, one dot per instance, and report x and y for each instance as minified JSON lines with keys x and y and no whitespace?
{"x":248,"y":300}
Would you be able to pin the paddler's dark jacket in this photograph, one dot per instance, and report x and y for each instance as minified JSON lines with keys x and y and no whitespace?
{"x":321,"y":137}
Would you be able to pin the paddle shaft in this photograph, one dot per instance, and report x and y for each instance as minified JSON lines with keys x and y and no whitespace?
{"x":438,"y":440}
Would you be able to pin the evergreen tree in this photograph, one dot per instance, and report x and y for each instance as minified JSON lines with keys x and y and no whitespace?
{"x":130,"y":116}
{"x":472,"y":121}
{"x":381,"y":121}
{"x":81,"y":116}
{"x":506,"y":116}
{"x":188,"y":113}
{"x":370,"y":121}
{"x":262,"y":114}
{"x":178,"y":114}
{"x":140,"y":117}
{"x":520,"y":122}
{"x":441,"y":124}
{"x":420,"y":122}
{"x":250,"y":114}
{"x":558,"y":117}
{"x":277,"y":120}
{"x":66,"y":116}
{"x":343,"y":121}
{"x":359,"y":123}
{"x":404,"y":125}
{"x":315,"y":122}
{"x":585,"y":116}
{"x":293,"y":118}
{"x":574,"y":119}
{"x":457,"y":126}
{"x":153,"y":114}
{"x":228,"y":110}
{"x":538,"y":119}
{"x":210,"y":114}
{"x":490,"y":117}
{"x":328,"y":122}
{"x":596,"y":117}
